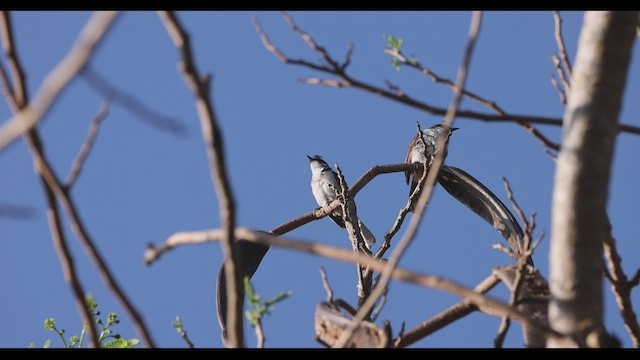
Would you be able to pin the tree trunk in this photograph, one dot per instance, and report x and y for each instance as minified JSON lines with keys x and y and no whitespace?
{"x":582,"y":177}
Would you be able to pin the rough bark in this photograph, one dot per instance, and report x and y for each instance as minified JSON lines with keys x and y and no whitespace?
{"x":582,"y":177}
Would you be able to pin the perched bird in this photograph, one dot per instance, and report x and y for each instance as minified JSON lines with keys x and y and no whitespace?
{"x":464,"y":188}
{"x":324,"y":185}
{"x":416,"y":153}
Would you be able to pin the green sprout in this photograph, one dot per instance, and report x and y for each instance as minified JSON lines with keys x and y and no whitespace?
{"x":106,"y":339}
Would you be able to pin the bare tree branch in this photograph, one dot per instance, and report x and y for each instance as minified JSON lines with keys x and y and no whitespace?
{"x":413,"y":198}
{"x":87,"y":145}
{"x":325,"y":284}
{"x":561,"y":74}
{"x":18,"y":100}
{"x":487,"y":304}
{"x":53,"y":184}
{"x":532,"y":293}
{"x":215,"y":150}
{"x":406,"y":240}
{"x":66,"y":259}
{"x":415,"y":64}
{"x":583,"y":173}
{"x":446,"y":317}
{"x":353,"y":190}
{"x":133,"y":104}
{"x":16,"y":212}
{"x":354,"y":232}
{"x":561,"y":94}
{"x":153,"y":253}
{"x":557,"y":20}
{"x":345,"y":80}
{"x":621,"y":286}
{"x":75,"y":60}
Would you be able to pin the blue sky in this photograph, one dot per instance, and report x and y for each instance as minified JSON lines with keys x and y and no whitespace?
{"x":141,"y":184}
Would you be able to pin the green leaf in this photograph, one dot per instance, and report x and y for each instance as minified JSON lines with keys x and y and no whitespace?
{"x":177,"y":324}
{"x":46,"y":344}
{"x":393,"y":42}
{"x":282,"y":296}
{"x":114,"y":344}
{"x":112,"y":318}
{"x":133,"y":342}
{"x":396,"y":64}
{"x":50,"y":324}
{"x":31,"y":345}
{"x":250,"y":316}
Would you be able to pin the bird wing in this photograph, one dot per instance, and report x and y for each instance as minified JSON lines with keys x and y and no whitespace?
{"x":251,"y":254}
{"x":407,"y":160}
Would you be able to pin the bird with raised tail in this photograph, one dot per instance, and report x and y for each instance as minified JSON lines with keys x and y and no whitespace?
{"x":324,"y":185}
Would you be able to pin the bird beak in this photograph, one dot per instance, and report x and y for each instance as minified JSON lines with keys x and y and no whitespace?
{"x":309,"y":157}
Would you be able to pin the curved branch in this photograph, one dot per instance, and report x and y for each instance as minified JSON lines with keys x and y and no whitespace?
{"x":431,"y":177}
{"x":212,"y":135}
{"x":344,"y":80}
{"x":489,"y":304}
{"x":18,"y":99}
{"x":621,"y":286}
{"x":75,"y":60}
{"x":446,"y":317}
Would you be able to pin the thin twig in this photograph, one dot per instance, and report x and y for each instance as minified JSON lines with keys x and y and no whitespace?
{"x":133,"y":104}
{"x":561,"y":74}
{"x":353,"y":190}
{"x":355,"y":235}
{"x":402,"y":214}
{"x":67,"y":262}
{"x":412,"y":229}
{"x":153,"y":253}
{"x":561,"y":94}
{"x":415,"y":64}
{"x":75,"y":60}
{"x":381,"y":304}
{"x":526,"y":251}
{"x":386,"y":244}
{"x":16,"y":212}
{"x":621,"y":287}
{"x":486,"y":303}
{"x":516,"y":207}
{"x":327,"y":287}
{"x":53,"y":183}
{"x":215,"y":150}
{"x":259,"y":334}
{"x":87,"y":242}
{"x":311,"y":42}
{"x":184,"y":336}
{"x":18,"y":100}
{"x":446,"y":317}
{"x":557,"y":20}
{"x":346,"y":80}
{"x":87,"y":145}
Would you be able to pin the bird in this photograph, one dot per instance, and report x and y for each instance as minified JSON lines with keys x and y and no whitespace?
{"x":464,"y":188}
{"x":324,"y":185}
{"x":416,"y":153}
